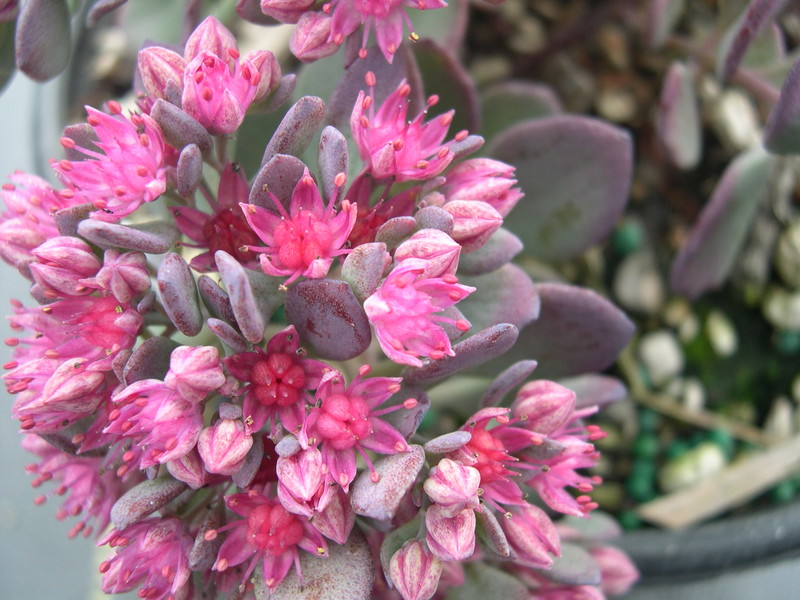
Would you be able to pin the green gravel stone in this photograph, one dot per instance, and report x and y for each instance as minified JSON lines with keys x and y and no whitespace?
{"x":723,"y":439}
{"x":648,"y":419}
{"x":788,"y":342}
{"x":783,"y":492}
{"x":677,"y":449}
{"x":646,"y":446}
{"x":629,"y":519}
{"x":627,"y":238}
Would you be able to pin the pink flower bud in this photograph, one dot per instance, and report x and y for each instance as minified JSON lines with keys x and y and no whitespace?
{"x":267,"y":66}
{"x":285,"y":11}
{"x":125,"y":275}
{"x":544,"y":406}
{"x":617,"y":572}
{"x":450,"y":538}
{"x":436,"y":247}
{"x":160,"y":69}
{"x":309,"y":41}
{"x":475,"y":222}
{"x":337,"y":518}
{"x":189,"y":469}
{"x":532,"y":535}
{"x":301,"y":482}
{"x":453,"y":487}
{"x":195,"y":371}
{"x":224,"y":446}
{"x":212,"y":37}
{"x":61,"y":264}
{"x":415,"y":571}
{"x":70,"y":388}
{"x":18,"y":238}
{"x":484,"y":180}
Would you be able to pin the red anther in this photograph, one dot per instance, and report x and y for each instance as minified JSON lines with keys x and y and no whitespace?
{"x":364,"y":121}
{"x":141,"y":401}
{"x":398,"y":144}
{"x":370,"y":79}
{"x":39,"y":500}
{"x":340,"y":180}
{"x":338,"y":39}
{"x":198,"y":76}
{"x":374,"y":477}
{"x":61,"y":514}
{"x":78,"y":438}
{"x":210,"y":535}
{"x":27,"y":424}
{"x":585,"y":487}
{"x":67,"y":194}
{"x":221,"y":565}
{"x":443,"y":151}
{"x":128,"y":456}
{"x":326,"y":8}
{"x":67,"y":142}
{"x":400,"y":446}
{"x":12,"y":364}
{"x":461,"y":135}
{"x":404,"y":90}
{"x":596,"y":479}
{"x":141,"y":171}
{"x":137,"y":120}
{"x":233,"y":53}
{"x":171,"y":444}
{"x":246,"y":72}
{"x":454,"y":295}
{"x":9,"y":187}
{"x":209,"y":61}
{"x":367,"y":102}
{"x":104,"y":566}
{"x":364,"y":370}
{"x":437,"y":354}
{"x":12,"y":342}
{"x":120,"y":191}
{"x":93,"y":120}
{"x":446,"y":119}
{"x":144,"y":140}
{"x":127,"y":425}
{"x":122,"y":470}
{"x":391,"y":48}
{"x":449,"y":278}
{"x":503,"y":419}
{"x":207,"y":94}
{"x":583,"y":499}
{"x":433,"y":100}
{"x":362,"y":53}
{"x":114,"y":414}
{"x":463,"y":325}
{"x":423,"y":164}
{"x":114,"y":108}
{"x":393,"y":388}
{"x":51,"y":353}
{"x":61,"y":490}
{"x":410,"y":403}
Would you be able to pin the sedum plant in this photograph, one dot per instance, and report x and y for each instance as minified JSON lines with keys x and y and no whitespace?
{"x":316,"y":382}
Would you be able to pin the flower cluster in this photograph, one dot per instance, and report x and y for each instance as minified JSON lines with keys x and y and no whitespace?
{"x":217,"y":406}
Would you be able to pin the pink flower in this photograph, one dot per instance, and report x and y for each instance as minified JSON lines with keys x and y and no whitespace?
{"x":61,"y":264}
{"x":415,"y":571}
{"x":371,"y":217}
{"x":617,"y":572}
{"x":450,"y":537}
{"x":386,"y":17}
{"x":346,"y":420}
{"x":28,"y":219}
{"x":279,"y":379}
{"x":483,"y":180}
{"x":303,"y":482}
{"x":532,"y":535}
{"x":124,"y":274}
{"x":560,"y":472}
{"x":153,"y":554}
{"x":194,"y":371}
{"x":89,"y":490}
{"x":304,"y":240}
{"x":453,"y":487}
{"x":225,"y":229}
{"x":544,"y":406}
{"x":311,"y":39}
{"x":268,"y":534}
{"x":127,"y":170}
{"x":404,"y":310}
{"x":392,"y":146}
{"x":224,"y":446}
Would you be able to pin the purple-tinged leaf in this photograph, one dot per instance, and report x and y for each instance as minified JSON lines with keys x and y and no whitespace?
{"x":447,"y":25}
{"x":782,"y":135}
{"x":593,"y":389}
{"x":387,"y":77}
{"x":662,"y":17}
{"x":329,"y":318}
{"x":68,"y":219}
{"x":149,"y":361}
{"x":180,"y":129}
{"x":147,"y":304}
{"x":347,"y":572}
{"x":447,"y":78}
{"x":395,"y":231}
{"x":398,"y":472}
{"x":394,"y":540}
{"x":332,"y":159}
{"x":598,"y":529}
{"x":575,"y":566}
{"x":42,"y":38}
{"x":506,"y":295}
{"x":478,"y":349}
{"x":449,"y":442}
{"x":252,"y":462}
{"x":83,"y":135}
{"x":511,"y":102}
{"x":250,"y":10}
{"x":7,"y":60}
{"x":578,"y":331}
{"x":469,"y":145}
{"x":483,"y":581}
{"x":100,"y":9}
{"x":189,"y":171}
{"x":144,"y":499}
{"x":279,"y":178}
{"x":203,"y":554}
{"x":434,"y":217}
{"x":282,"y":94}
{"x":230,"y":337}
{"x":364,"y":268}
{"x":178,"y":294}
{"x":253,"y":295}
{"x":678,"y":118}
{"x":739,"y":37}
{"x":491,"y":534}
{"x":500,"y":248}
{"x":215,"y":299}
{"x":297,"y":128}
{"x":714,"y":242}
{"x":576,"y":173}
{"x":154,"y":237}
{"x":407,"y":421}
{"x":512,"y":377}
{"x":288,"y":446}
{"x":119,"y":362}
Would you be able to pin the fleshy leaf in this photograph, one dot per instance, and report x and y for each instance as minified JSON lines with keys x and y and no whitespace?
{"x":144,"y":499}
{"x":348,"y":572}
{"x":677,"y":117}
{"x":575,"y":172}
{"x":247,"y":472}
{"x":578,"y":331}
{"x":364,"y":268}
{"x":215,"y":299}
{"x":397,"y":474}
{"x":395,"y":539}
{"x":475,"y":350}
{"x":506,"y":295}
{"x":395,"y":231}
{"x":68,"y":219}
{"x":278,"y":176}
{"x":710,"y":251}
{"x":446,"y":77}
{"x":446,"y":25}
{"x":149,"y":361}
{"x":204,"y":552}
{"x":601,"y":527}
{"x":180,"y":129}
{"x":593,"y":389}
{"x":83,"y":135}
{"x":329,"y":318}
{"x":491,"y":533}
{"x":434,"y":217}
{"x":189,"y":171}
{"x":100,"y":9}
{"x":511,"y":102}
{"x":662,"y":18}
{"x":483,"y":581}
{"x":512,"y":377}
{"x":154,"y":237}
{"x":332,"y":159}
{"x":449,"y":442}
{"x":229,"y":336}
{"x":407,"y":421}
{"x":297,"y":128}
{"x":575,"y":566}
{"x":178,"y":294}
{"x":782,"y":134}
{"x":253,"y":295}
{"x":7,"y":61}
{"x":739,"y":37}
{"x":500,"y":248}
{"x":42,"y":39}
